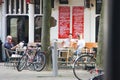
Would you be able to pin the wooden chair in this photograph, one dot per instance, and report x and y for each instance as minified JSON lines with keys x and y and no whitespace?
{"x":91,"y":45}
{"x":13,"y":59}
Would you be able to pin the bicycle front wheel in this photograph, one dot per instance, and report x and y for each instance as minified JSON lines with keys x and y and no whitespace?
{"x":39,"y":61}
{"x":22,"y":63}
{"x":82,"y":64}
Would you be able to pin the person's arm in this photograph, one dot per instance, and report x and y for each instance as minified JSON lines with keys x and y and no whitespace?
{"x":6,"y":45}
{"x":14,"y":47}
{"x":62,"y":43}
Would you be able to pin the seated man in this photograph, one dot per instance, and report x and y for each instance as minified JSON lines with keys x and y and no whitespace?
{"x":68,"y":42}
{"x":9,"y":44}
{"x":67,"y":48}
{"x":80,"y":44}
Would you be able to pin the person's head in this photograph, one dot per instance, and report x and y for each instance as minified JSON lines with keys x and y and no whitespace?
{"x":80,"y":36}
{"x":9,"y":38}
{"x":70,"y":36}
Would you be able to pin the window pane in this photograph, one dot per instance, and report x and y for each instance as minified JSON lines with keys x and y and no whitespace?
{"x":13,"y":24}
{"x":38,"y":26}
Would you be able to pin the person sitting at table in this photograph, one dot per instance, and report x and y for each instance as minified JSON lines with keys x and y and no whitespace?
{"x":9,"y":44}
{"x":80,"y":44}
{"x":68,"y":42}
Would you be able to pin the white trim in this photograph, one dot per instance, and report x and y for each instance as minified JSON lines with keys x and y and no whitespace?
{"x":31,"y":22}
{"x":24,"y":7}
{"x":41,"y":6}
{"x":14,"y":10}
{"x":19,"y":9}
{"x":9,"y":6}
{"x":3,"y":32}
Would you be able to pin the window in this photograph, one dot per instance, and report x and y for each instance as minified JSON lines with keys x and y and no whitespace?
{"x":38,"y":6}
{"x":98,"y":6}
{"x":21,"y":7}
{"x":38,"y":28}
{"x":16,"y":7}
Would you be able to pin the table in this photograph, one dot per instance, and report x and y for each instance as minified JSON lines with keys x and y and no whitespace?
{"x":64,"y":53}
{"x":20,"y":51}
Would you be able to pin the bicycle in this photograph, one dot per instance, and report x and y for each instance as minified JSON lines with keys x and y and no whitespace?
{"x":85,"y":61}
{"x":97,"y":74}
{"x":32,"y":60}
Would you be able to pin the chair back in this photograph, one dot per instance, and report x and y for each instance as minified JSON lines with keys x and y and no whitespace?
{"x":7,"y":53}
{"x":91,"y":45}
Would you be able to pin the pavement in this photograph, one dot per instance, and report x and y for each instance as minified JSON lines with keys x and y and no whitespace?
{"x":10,"y":73}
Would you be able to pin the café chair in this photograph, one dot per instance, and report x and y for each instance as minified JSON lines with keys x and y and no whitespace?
{"x":13,"y":59}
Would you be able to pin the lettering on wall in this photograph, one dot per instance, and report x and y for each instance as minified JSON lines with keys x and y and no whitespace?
{"x":77,"y":25}
{"x":64,"y":22}
{"x":77,"y":20}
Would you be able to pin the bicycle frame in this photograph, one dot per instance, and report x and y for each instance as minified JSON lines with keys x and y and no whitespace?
{"x":35,"y":59}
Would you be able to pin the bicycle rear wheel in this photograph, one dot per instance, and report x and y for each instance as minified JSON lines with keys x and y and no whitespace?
{"x":39,"y":61}
{"x":82,"y":64}
{"x":22,"y":63}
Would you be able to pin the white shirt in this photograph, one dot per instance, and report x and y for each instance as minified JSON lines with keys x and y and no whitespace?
{"x":67,"y":42}
{"x":80,"y":44}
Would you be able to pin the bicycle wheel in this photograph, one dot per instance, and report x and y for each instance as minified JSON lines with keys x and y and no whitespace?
{"x":30,"y":66}
{"x":39,"y":61}
{"x":80,"y":65}
{"x":22,"y":63}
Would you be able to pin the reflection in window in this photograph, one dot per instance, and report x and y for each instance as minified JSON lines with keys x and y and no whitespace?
{"x":21,"y":28}
{"x":38,"y":6}
{"x":38,"y":26}
{"x":97,"y":27}
{"x":98,"y":6}
{"x":17,"y":26}
{"x":13,"y":30}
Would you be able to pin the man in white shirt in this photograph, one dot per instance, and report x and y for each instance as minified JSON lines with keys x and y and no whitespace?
{"x":68,"y":42}
{"x":80,"y":44}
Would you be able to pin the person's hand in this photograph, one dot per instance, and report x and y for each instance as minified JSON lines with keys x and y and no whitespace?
{"x":17,"y":45}
{"x":62,"y":43}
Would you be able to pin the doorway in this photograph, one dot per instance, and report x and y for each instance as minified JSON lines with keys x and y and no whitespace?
{"x":17,"y":27}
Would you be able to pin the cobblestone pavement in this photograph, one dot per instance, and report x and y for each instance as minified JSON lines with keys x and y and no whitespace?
{"x":10,"y":73}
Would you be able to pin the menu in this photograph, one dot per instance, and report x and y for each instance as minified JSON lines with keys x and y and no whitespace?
{"x":77,"y":20}
{"x":64,"y":22}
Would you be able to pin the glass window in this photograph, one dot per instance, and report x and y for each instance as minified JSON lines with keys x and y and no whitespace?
{"x":38,"y":6}
{"x":13,"y":30}
{"x":98,"y":6}
{"x":38,"y":28}
{"x":17,"y":27}
{"x":17,"y":6}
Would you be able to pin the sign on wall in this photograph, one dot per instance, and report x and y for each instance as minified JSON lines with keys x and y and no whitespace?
{"x":77,"y":20}
{"x":64,"y":22}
